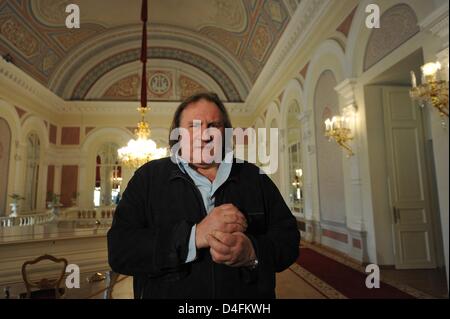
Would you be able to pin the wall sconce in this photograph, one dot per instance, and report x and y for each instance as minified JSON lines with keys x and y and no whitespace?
{"x":339,"y":129}
{"x":117,"y":180}
{"x":433,"y":90}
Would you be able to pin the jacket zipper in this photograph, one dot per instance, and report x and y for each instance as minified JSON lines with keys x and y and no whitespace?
{"x":205,"y":213}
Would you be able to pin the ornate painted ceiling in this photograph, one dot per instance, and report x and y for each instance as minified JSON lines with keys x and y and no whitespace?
{"x":219,"y":45}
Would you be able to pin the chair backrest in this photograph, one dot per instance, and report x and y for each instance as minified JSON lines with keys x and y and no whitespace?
{"x":111,"y":280}
{"x":44,"y":283}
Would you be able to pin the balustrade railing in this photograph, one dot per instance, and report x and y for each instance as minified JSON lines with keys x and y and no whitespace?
{"x":36,"y":218}
{"x":27,"y":220}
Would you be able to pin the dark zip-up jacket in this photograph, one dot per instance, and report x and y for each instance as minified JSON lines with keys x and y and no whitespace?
{"x":152,"y":223}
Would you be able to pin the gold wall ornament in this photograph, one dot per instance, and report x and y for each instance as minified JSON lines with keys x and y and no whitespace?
{"x":338,"y":128}
{"x":433,"y":90}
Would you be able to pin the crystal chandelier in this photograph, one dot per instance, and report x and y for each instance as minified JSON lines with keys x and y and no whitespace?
{"x":142,"y":149}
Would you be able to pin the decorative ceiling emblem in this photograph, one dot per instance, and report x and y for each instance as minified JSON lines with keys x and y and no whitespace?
{"x":159,"y":83}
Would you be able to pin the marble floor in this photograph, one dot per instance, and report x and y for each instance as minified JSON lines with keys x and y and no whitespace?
{"x":289,"y":286}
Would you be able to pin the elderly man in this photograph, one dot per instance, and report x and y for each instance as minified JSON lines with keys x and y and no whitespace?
{"x":189,"y":227}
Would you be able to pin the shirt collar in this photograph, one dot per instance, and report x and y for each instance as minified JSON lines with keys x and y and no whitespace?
{"x":226,"y":163}
{"x":223,"y":172}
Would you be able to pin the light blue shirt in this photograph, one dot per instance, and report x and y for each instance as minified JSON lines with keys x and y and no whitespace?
{"x":207,"y":190}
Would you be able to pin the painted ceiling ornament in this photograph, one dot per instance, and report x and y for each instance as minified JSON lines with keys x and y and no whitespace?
{"x":126,"y":88}
{"x":230,"y":14}
{"x":19,"y":36}
{"x":49,"y":11}
{"x":189,"y":87}
{"x":159,"y":83}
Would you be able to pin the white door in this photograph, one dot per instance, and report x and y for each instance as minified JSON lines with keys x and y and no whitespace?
{"x":408,"y":181}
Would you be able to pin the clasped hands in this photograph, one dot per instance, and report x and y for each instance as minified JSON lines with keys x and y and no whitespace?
{"x":222,"y":231}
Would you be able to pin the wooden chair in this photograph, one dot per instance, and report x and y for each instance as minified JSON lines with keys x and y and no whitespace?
{"x":47,"y":288}
{"x":111,"y":280}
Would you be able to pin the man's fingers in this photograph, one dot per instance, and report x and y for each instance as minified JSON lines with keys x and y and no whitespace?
{"x":218,"y":257}
{"x":232,"y":214}
{"x":233,"y":228}
{"x":227,"y":239}
{"x":235,"y":219}
{"x":227,"y":206}
{"x":218,"y":246}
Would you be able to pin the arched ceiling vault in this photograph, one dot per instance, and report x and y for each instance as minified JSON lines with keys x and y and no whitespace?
{"x":228,"y":41}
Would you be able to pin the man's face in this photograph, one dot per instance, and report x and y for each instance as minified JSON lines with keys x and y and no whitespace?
{"x":203,"y":121}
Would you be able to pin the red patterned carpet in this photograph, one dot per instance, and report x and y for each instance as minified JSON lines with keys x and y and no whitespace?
{"x":334,"y":277}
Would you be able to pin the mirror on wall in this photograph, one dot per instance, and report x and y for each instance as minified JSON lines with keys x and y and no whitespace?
{"x":108,"y":176}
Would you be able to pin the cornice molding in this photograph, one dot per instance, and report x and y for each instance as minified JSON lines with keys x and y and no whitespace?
{"x":129,"y":108}
{"x":15,"y":81}
{"x":437,"y":23}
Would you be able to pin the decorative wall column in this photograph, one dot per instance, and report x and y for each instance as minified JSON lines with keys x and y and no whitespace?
{"x":20,"y":155}
{"x":42,"y":183}
{"x":282,"y":161}
{"x":312,"y":216}
{"x":352,"y":176}
{"x":83,"y":190}
{"x":437,"y":24}
{"x":57,"y":180}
